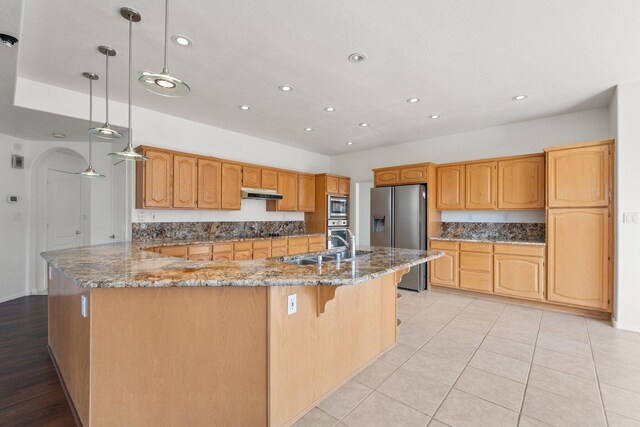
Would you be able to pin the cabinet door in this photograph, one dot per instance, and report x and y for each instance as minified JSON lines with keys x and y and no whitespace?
{"x":269,"y":179}
{"x":288,"y":187}
{"x":333,"y":185}
{"x":450,"y":187}
{"x":261,"y":253}
{"x":231,"y":186}
{"x":344,"y":186}
{"x":242,"y":255}
{"x":521,"y":183}
{"x":578,"y":257}
{"x":251,"y":176}
{"x":185,"y":181}
{"x":174,"y":251}
{"x":578,"y":177}
{"x":157,"y":173}
{"x":519,"y":276}
{"x":481,"y":185}
{"x":209,"y":179}
{"x":386,"y":177}
{"x":413,"y":175}
{"x":444,"y":270}
{"x":306,"y":193}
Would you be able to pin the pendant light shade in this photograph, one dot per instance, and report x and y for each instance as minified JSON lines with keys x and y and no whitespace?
{"x":128,"y":153}
{"x":90,"y":172}
{"x":106,"y":131}
{"x":163,"y":83}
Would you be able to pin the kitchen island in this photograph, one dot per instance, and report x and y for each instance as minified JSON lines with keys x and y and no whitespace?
{"x":144,"y":339}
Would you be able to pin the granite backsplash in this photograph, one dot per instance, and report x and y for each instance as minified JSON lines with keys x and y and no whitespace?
{"x":493,"y":230}
{"x":223,"y":230}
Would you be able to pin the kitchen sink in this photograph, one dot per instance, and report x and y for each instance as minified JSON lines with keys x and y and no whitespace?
{"x":310,"y":260}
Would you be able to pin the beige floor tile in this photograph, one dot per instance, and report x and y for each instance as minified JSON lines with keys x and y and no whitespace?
{"x":486,"y":305}
{"x":567,"y":385}
{"x":498,"y":364}
{"x":343,"y":400}
{"x":454,"y":343}
{"x":398,"y":354}
{"x":620,"y":401}
{"x":531,"y":422}
{"x":480,"y":314}
{"x":509,"y":348}
{"x":603,"y":328}
{"x":461,"y":409}
{"x":616,"y":420}
{"x":436,"y":423}
{"x":557,"y":410}
{"x":562,"y":345}
{"x":578,"y":334}
{"x":619,"y":348}
{"x":375,"y":374}
{"x":576,"y":365}
{"x":405,"y":312}
{"x":316,"y":418}
{"x":415,"y":334}
{"x":469,"y":323}
{"x":523,"y":334}
{"x":437,"y":368}
{"x":383,"y":411}
{"x":415,"y":390}
{"x":617,"y":373}
{"x":496,"y":389}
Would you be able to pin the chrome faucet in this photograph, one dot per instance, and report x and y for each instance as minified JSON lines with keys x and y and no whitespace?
{"x":351,"y":244}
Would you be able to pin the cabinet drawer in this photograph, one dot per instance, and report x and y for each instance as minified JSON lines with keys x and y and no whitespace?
{"x":443,"y":244}
{"x":199,"y":249}
{"x":317,"y":247}
{"x":262,"y":244}
{"x":298,"y":249}
{"x":279,"y":251}
{"x":175,"y":251}
{"x":279,"y":243}
{"x":387,"y":177}
{"x":526,"y":250}
{"x":223,"y":247}
{"x":475,"y":261}
{"x":476,"y":281}
{"x":261,"y":253}
{"x":295,"y":241}
{"x":199,"y":257}
{"x":221,"y":256}
{"x":242,"y":246}
{"x":476,"y":247}
{"x":242,"y":255}
{"x":413,"y":175}
{"x":314,"y":240}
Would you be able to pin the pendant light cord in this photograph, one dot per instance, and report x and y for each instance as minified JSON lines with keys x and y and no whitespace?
{"x":90,"y":118}
{"x":165,"y":70}
{"x":130,"y":56}
{"x":107,"y":88}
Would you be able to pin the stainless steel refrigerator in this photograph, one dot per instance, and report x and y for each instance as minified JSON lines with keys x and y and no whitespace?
{"x":398,"y":220}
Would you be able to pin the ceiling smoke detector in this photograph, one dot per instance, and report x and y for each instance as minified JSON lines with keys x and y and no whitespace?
{"x":59,"y":135}
{"x":8,"y":40}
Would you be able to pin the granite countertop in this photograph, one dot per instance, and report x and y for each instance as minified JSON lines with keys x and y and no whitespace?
{"x":490,"y":240}
{"x":154,"y":243}
{"x":118,"y":265}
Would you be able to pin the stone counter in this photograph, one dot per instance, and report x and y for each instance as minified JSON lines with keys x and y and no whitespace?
{"x":490,"y":240}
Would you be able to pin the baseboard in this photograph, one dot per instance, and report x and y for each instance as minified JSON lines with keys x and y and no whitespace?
{"x":13,"y":296}
{"x":624,"y":326}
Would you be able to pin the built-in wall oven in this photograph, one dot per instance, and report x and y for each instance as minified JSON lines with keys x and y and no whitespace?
{"x":337,"y":227}
{"x":337,"y":207}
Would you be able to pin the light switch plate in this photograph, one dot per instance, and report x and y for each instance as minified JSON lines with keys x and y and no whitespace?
{"x":292,"y":304}
{"x":631,"y":218}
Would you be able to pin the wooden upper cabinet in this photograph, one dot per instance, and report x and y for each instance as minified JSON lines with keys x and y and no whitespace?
{"x":521,"y":183}
{"x":333,"y":184}
{"x":578,"y":254}
{"x":269,"y":179}
{"x":306,"y":193}
{"x":413,"y":175}
{"x":386,"y":177}
{"x":158,"y":176}
{"x":450,"y":185}
{"x":185,"y":182}
{"x":579,"y":177}
{"x":209,"y":183}
{"x":288,"y":187}
{"x":481,"y":185}
{"x":231,"y":186}
{"x":344,"y":186}
{"x":251,"y":176}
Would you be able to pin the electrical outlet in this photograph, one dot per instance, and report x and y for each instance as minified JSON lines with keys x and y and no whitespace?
{"x":140,"y":216}
{"x":292,"y":304}
{"x":153,"y":216}
{"x":631,"y":218}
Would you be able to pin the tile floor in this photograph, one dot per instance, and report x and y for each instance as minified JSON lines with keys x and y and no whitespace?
{"x":464,"y":361}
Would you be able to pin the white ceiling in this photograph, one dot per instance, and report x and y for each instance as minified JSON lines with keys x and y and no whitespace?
{"x":465,"y":60}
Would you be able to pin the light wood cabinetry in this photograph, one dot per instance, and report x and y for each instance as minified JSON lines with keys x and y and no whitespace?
{"x":444,"y":270}
{"x":481,"y":186}
{"x":325,"y":185}
{"x":306,"y":193}
{"x":154,"y":179}
{"x":413,"y":174}
{"x":209,"y":183}
{"x":450,"y":182}
{"x":317,"y":243}
{"x":475,"y":269}
{"x":333,"y":184}
{"x":174,"y":251}
{"x":386,"y":177}
{"x":519,"y":271}
{"x":344,"y":185}
{"x":261,"y":249}
{"x":279,"y":247}
{"x":269,"y":179}
{"x":521,"y":183}
{"x":298,"y":245}
{"x":231,"y":186}
{"x":251,"y":176}
{"x":222,"y":252}
{"x":288,"y":187}
{"x":185,"y":182}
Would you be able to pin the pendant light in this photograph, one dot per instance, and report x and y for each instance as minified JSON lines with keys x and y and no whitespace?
{"x":90,"y":172}
{"x":163,"y":83}
{"x":128,"y":153}
{"x":106,"y":131}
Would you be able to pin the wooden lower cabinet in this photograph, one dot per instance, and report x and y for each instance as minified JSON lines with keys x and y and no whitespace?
{"x":174,"y":251}
{"x":476,"y":267}
{"x":519,"y":276}
{"x":444,"y":270}
{"x":475,"y":281}
{"x":298,"y":245}
{"x":317,"y":243}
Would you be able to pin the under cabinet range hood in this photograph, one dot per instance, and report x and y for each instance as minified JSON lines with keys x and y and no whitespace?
{"x":261,"y":194}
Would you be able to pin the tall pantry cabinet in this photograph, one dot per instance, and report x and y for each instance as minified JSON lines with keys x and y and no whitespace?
{"x":580,"y":224}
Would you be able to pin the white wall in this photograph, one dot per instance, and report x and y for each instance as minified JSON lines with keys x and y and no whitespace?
{"x":625,"y":108}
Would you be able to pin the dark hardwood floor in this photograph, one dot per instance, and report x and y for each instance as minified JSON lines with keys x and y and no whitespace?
{"x":30,"y":393}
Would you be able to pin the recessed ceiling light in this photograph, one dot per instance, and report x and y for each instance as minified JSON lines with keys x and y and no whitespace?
{"x":519,"y":97}
{"x":349,"y":143}
{"x":183,"y":41}
{"x":434,"y":116}
{"x":330,"y":109}
{"x":286,"y":88}
{"x":59,"y":135}
{"x":413,"y":100}
{"x":357,"y":57}
{"x":364,"y":125}
{"x":308,"y":129}
{"x":244,"y":107}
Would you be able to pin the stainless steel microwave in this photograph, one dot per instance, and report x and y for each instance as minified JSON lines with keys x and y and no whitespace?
{"x":337,"y":207}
